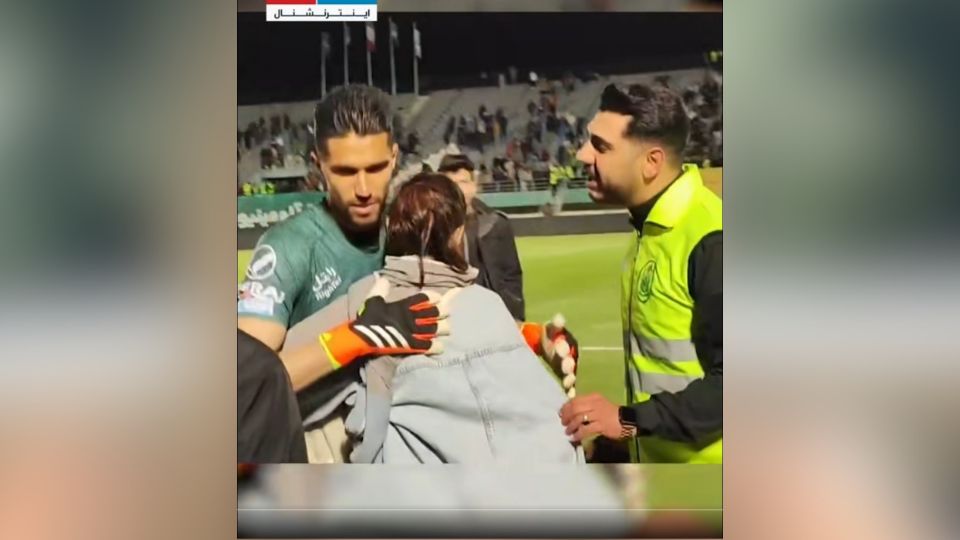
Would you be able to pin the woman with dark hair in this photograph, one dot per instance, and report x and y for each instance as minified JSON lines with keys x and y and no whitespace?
{"x":484,"y":396}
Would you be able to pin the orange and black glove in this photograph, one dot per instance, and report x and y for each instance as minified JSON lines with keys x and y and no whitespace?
{"x":407,"y":326}
{"x":553,"y":342}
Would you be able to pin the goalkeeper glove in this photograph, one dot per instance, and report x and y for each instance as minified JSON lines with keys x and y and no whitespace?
{"x":407,"y":326}
{"x":557,"y":345}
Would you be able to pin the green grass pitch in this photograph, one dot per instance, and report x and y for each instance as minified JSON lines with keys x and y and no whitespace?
{"x":579,"y":276}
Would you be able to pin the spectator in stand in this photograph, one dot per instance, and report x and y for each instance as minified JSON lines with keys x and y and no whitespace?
{"x":480,"y":135}
{"x":249,"y":136}
{"x":524,"y":178}
{"x":499,"y":172}
{"x":511,"y":172}
{"x":490,"y":246}
{"x":526,"y":148}
{"x":502,"y":120}
{"x":275,"y":126}
{"x":553,"y":124}
{"x":311,"y":138}
{"x":461,"y":133}
{"x":532,"y":128}
{"x":266,"y":158}
{"x":563,"y":155}
{"x":279,"y":154}
{"x":716,"y":153}
{"x":513,"y":149}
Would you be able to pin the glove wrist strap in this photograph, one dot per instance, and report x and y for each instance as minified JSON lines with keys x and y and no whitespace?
{"x":342,"y":345}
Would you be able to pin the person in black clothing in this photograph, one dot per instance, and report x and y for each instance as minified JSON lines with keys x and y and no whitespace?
{"x":501,"y":119}
{"x":269,"y":427}
{"x":490,"y":244}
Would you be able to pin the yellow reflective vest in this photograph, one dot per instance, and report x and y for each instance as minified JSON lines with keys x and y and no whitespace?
{"x":657,"y":308}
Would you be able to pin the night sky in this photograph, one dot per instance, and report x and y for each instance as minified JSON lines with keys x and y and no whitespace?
{"x":281,"y":61}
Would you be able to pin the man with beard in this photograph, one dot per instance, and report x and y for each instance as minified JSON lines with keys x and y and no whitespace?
{"x":307,"y":261}
{"x":671,"y":288}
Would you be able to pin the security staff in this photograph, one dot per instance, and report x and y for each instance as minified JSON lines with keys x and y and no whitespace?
{"x":672,"y":287}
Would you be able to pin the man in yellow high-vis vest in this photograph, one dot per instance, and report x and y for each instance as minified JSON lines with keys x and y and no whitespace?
{"x":671,"y":287}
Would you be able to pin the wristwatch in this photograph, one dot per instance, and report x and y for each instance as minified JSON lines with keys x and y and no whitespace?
{"x":628,"y":422}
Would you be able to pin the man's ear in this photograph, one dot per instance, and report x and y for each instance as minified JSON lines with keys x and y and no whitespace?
{"x":653,"y":162}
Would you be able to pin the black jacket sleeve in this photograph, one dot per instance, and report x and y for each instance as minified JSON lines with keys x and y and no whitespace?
{"x":695,"y":414}
{"x":269,"y":427}
{"x":503,"y":265}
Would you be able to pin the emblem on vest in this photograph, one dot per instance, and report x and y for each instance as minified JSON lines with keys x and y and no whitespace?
{"x":645,"y":283}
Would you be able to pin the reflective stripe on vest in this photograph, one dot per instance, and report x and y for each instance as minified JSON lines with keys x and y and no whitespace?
{"x":657,"y":306}
{"x":663,"y":365}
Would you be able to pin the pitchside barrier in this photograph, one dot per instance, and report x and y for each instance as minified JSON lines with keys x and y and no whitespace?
{"x":529,"y":210}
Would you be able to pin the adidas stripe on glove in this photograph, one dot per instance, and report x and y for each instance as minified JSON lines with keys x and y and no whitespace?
{"x":407,"y":326}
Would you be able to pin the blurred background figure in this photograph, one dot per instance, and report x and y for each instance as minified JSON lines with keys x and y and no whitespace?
{"x":490,"y":246}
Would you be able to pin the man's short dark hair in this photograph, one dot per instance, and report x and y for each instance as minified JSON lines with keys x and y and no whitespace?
{"x":657,"y":114}
{"x":355,"y":108}
{"x":452,"y":163}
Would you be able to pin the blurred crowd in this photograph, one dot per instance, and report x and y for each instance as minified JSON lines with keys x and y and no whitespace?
{"x":533,"y":150}
{"x":276,"y":140}
{"x":705,"y":109}
{"x":280,"y":142}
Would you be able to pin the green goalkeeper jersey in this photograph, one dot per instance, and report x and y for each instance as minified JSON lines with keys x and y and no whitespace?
{"x":300,"y":265}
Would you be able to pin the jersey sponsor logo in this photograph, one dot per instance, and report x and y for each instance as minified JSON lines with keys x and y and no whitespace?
{"x":255,"y":306}
{"x":263,"y":263}
{"x":645,"y":284}
{"x":325,"y":283}
{"x":257,"y":290}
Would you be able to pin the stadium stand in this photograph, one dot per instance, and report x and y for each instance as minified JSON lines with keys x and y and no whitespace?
{"x":544,"y":122}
